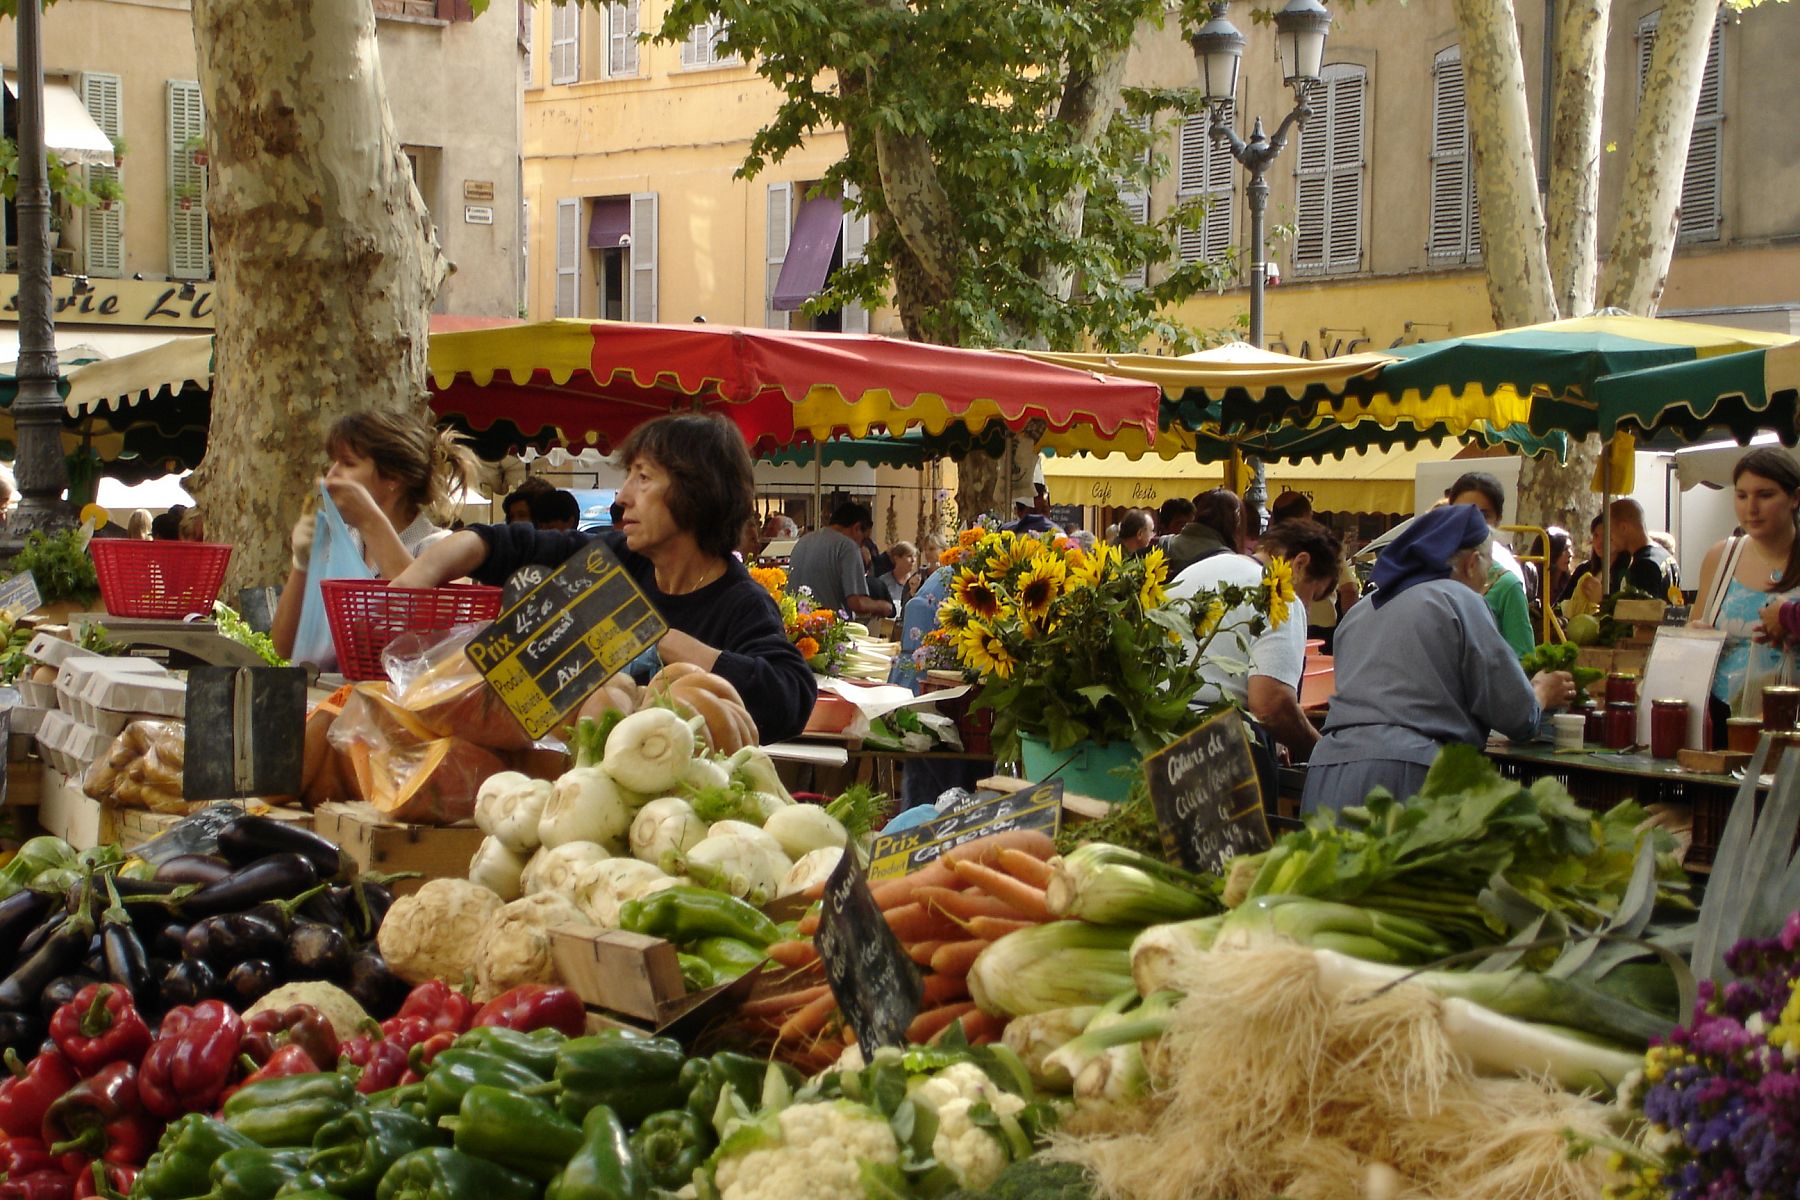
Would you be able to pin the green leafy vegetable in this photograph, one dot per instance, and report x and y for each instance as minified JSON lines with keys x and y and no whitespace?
{"x":231,"y":624}
{"x":60,"y":564}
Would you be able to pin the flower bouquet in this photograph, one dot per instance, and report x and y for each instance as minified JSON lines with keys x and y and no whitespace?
{"x":821,"y":635}
{"x":1084,"y":645}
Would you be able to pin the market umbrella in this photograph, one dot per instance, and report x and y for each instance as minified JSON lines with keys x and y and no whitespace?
{"x":1740,"y":393}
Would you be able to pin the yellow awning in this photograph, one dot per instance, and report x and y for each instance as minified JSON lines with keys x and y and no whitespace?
{"x":1214,"y":373}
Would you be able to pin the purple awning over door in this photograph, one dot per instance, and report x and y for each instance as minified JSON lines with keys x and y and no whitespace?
{"x":808,"y":261}
{"x":610,"y":224}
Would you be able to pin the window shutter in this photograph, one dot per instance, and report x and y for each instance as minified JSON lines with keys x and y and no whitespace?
{"x":778,"y":231}
{"x":568,"y":258}
{"x":702,"y":49}
{"x":1136,"y":202}
{"x":1310,"y":162}
{"x":622,"y":40}
{"x":1451,"y":168}
{"x":104,"y":227}
{"x":855,"y":318}
{"x":643,"y":256}
{"x":1328,"y":173}
{"x":565,"y":43}
{"x":1702,"y":179}
{"x":1646,"y":39}
{"x":527,"y":28}
{"x":189,"y":252}
{"x":1345,"y":230}
{"x":1205,"y":173}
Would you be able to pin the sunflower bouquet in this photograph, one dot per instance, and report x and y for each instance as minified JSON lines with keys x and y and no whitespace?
{"x":821,"y":635}
{"x":1078,"y":645}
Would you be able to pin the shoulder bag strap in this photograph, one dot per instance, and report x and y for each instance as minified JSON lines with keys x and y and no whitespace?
{"x":1727,"y":568}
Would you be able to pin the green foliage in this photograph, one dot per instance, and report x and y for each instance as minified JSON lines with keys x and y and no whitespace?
{"x":232,"y":625}
{"x":1036,"y":1178}
{"x":70,"y":184}
{"x":60,"y":564}
{"x":980,"y":83}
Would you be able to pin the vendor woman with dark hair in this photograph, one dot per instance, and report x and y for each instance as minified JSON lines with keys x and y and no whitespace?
{"x":687,"y":494}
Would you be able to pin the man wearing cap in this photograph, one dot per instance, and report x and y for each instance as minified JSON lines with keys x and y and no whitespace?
{"x":1026,"y":516}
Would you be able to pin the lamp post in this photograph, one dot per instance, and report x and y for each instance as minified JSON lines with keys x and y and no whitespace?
{"x":1300,"y":30}
{"x":37,"y":407}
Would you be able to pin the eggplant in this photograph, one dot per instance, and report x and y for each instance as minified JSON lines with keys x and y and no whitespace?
{"x":251,"y":980}
{"x":368,"y":906}
{"x":123,"y":957}
{"x":374,"y":984}
{"x":243,"y":936}
{"x":46,"y":928}
{"x":187,"y":982}
{"x":167,"y":942}
{"x":58,"y":954}
{"x":250,"y":838}
{"x":197,"y":941}
{"x":60,"y":991}
{"x":20,"y":913}
{"x":136,"y":888}
{"x":277,"y":877}
{"x":280,"y":913}
{"x":94,"y":964}
{"x":20,"y":1032}
{"x":316,"y":951}
{"x":193,"y":868}
{"x":330,"y":907}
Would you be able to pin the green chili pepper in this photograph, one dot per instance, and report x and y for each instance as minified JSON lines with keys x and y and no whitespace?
{"x":519,"y":1133}
{"x":603,"y":1168}
{"x":182,"y":1164}
{"x":535,"y":1053}
{"x":686,"y":914}
{"x":440,"y":1173}
{"x":319,"y":1085}
{"x":352,"y":1153}
{"x":456,"y":1071}
{"x":255,"y":1172}
{"x":307,"y":1183}
{"x":696,"y":973}
{"x":670,"y":1145}
{"x":633,"y":1076}
{"x":728,"y":956}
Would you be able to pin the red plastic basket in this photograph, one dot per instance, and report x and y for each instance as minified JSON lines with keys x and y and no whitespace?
{"x":367,"y":614}
{"x":168,"y":580}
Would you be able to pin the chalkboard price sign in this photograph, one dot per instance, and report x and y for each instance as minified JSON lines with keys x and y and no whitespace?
{"x":19,"y":595}
{"x":877,"y":987}
{"x":1203,"y":787}
{"x":558,"y":639}
{"x":902,"y":853}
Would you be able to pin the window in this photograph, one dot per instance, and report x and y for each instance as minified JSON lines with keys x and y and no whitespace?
{"x":854,"y":318}
{"x":778,"y":211}
{"x":1136,"y":200}
{"x":1328,"y":174}
{"x":104,"y":240}
{"x":1205,"y":175}
{"x":424,"y":163}
{"x":1702,"y":203}
{"x":565,"y":43}
{"x":1455,"y":232}
{"x":527,"y":28}
{"x":622,"y":40}
{"x":568,"y":258}
{"x":808,"y":239}
{"x":190,"y":252}
{"x":702,"y":47}
{"x":643,"y":256}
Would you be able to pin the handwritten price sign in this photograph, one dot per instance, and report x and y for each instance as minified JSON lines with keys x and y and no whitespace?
{"x":1204,"y":789}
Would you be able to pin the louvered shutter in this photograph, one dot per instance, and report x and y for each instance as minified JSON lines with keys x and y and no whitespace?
{"x":778,"y":231}
{"x":622,"y":40}
{"x":1451,"y":167}
{"x":568,"y":258}
{"x":565,"y":43}
{"x":701,"y":47}
{"x":1137,"y":203}
{"x":190,"y":255}
{"x":1328,"y":172}
{"x":1205,"y":174}
{"x":855,"y":318}
{"x":527,"y":29}
{"x":104,"y":227}
{"x":1310,"y":206}
{"x":643,"y":256}
{"x":1702,"y":179}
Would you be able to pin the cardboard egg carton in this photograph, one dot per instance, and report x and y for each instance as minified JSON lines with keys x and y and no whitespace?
{"x":28,"y":719}
{"x":76,"y":674}
{"x":50,"y":650}
{"x":135,"y":695}
{"x":37,"y":695}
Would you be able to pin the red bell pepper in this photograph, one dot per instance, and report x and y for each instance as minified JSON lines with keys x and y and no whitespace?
{"x":382,"y":1060}
{"x":536,"y":1006}
{"x":291,"y":1059}
{"x":107,"y":1181}
{"x":405,"y":1032}
{"x":190,"y":1064}
{"x":300,"y":1025}
{"x":38,"y":1185}
{"x":420,"y":1056}
{"x":99,"y":1026}
{"x":23,"y":1156}
{"x":442,"y":1006}
{"x":26,"y":1096}
{"x":101,"y":1117}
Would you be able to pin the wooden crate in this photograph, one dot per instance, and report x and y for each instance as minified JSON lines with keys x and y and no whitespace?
{"x":375,"y":843}
{"x":636,"y":980}
{"x":1650,"y":612}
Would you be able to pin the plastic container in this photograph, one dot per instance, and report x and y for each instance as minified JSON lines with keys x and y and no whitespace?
{"x":1571,"y":730}
{"x":1085,"y":768}
{"x":366,"y":615}
{"x":159,"y":580}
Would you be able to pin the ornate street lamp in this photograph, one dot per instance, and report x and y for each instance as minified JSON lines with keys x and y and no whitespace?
{"x":1300,"y":30}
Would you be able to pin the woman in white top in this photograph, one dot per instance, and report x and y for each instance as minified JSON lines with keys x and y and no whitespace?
{"x":396,"y":481}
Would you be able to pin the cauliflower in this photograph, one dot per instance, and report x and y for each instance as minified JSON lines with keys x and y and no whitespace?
{"x":812,"y":1150}
{"x":974,"y":1154}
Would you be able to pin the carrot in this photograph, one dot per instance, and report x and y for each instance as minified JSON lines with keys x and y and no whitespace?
{"x":921,"y":952}
{"x":995,"y":928}
{"x":910,"y":922}
{"x":927,"y":1024}
{"x":892,"y":893}
{"x":808,"y":924}
{"x":1022,"y":896}
{"x":797,"y":953}
{"x":1024,"y":867}
{"x":966,"y":906}
{"x":1031,"y":841}
{"x":982,"y":1028}
{"x":955,"y":958}
{"x":781,"y":1002}
{"x":806,"y":1021}
{"x":942,"y":989}
{"x":815,"y":893}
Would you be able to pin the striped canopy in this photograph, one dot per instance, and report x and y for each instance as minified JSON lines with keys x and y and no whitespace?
{"x":1740,"y":394}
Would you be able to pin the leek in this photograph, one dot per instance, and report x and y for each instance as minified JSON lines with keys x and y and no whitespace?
{"x":1159,"y":951}
{"x":1106,"y":1062}
{"x":1367,"y":933}
{"x":1056,"y":965}
{"x":1035,"y":1036}
{"x":1109,"y":885}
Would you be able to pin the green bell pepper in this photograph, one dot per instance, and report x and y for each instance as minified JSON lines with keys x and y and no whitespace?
{"x":456,"y":1071}
{"x":684,"y":914}
{"x":255,"y":1172}
{"x":696,"y":973}
{"x":603,"y":1168}
{"x":352,"y":1153}
{"x":288,"y":1111}
{"x":440,"y":1173}
{"x":519,"y":1133}
{"x":533,"y":1051}
{"x":706,"y":1078}
{"x":669,"y":1145}
{"x":409,"y":1098}
{"x":182,"y":1164}
{"x":633,"y":1076}
{"x":307,"y":1183}
{"x":728,"y":956}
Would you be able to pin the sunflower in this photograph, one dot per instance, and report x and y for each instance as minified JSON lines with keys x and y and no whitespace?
{"x":1038,"y":587}
{"x":1156,"y":571}
{"x":1206,"y":620}
{"x":982,"y":649}
{"x":976,"y":594}
{"x":1092,"y":567}
{"x":1279,"y":579}
{"x":808,"y":648}
{"x":953,"y":616}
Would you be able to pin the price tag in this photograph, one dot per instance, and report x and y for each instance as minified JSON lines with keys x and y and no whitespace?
{"x":564,"y":636}
{"x":19,"y":595}
{"x":1204,"y":789}
{"x":877,"y":987}
{"x":907,"y":850}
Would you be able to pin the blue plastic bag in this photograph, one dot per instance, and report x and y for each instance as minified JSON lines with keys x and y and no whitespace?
{"x":335,"y":555}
